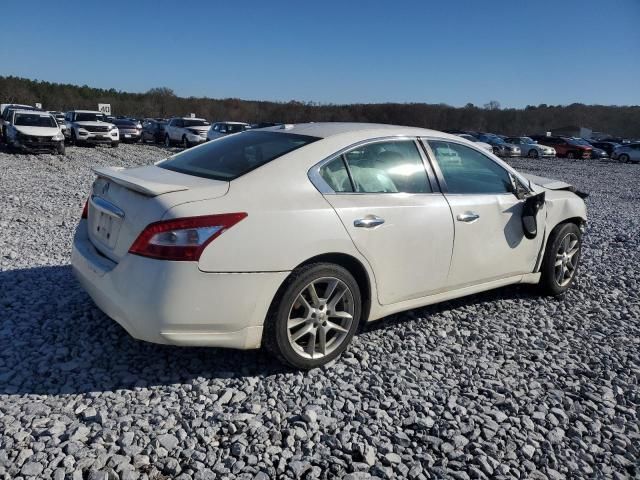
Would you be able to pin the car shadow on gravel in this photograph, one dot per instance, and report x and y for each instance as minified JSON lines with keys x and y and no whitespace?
{"x":54,"y":340}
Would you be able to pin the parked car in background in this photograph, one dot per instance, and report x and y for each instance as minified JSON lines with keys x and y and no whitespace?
{"x":153,"y":129}
{"x":263,"y":125}
{"x":220,"y":129}
{"x":59,"y":116}
{"x":530,"y":148}
{"x":627,"y":153}
{"x":7,"y":115}
{"x":186,"y":131}
{"x":130,"y":130}
{"x":256,"y":239}
{"x":487,"y":146}
{"x":90,"y":127}
{"x":618,"y":140}
{"x":564,"y":146}
{"x":500,"y":147}
{"x":596,"y":153}
{"x":606,"y":146}
{"x":34,"y":131}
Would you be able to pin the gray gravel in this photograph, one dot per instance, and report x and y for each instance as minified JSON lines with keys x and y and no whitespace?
{"x":504,"y":384}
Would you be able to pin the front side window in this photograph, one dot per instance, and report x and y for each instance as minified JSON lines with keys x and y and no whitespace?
{"x":385,"y":167}
{"x":231,"y":157}
{"x":466,"y":170}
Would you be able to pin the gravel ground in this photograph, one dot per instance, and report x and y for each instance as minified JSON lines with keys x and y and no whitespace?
{"x":504,"y":384}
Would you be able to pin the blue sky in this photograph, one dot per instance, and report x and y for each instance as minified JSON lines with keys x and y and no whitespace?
{"x":455,"y":51}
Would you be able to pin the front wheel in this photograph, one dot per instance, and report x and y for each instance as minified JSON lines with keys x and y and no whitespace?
{"x":571,"y":155}
{"x":167,"y":141}
{"x":185,"y":142}
{"x":314,"y":316}
{"x":624,"y":158}
{"x":533,"y":153}
{"x":561,"y":259}
{"x":60,"y":149}
{"x":115,"y":144}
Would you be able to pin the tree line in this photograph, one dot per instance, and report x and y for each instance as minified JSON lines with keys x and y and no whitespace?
{"x":163,"y":102}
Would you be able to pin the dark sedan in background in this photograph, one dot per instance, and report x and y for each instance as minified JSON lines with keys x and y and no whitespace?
{"x":153,"y":129}
{"x":608,"y":147}
{"x":500,"y":147}
{"x":130,"y":131}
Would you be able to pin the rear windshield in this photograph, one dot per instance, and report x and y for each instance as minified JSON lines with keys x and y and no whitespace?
{"x":34,"y":120}
{"x":231,"y":157}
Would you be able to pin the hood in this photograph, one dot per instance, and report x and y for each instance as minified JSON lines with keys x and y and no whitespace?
{"x":552,"y":184}
{"x":201,"y":128}
{"x":93,"y":124}
{"x":38,"y":131}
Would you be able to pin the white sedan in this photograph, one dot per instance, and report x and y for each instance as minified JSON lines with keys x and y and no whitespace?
{"x":291,"y":237}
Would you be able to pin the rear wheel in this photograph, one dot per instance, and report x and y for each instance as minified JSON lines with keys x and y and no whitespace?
{"x":533,"y":153}
{"x":167,"y":141}
{"x":561,"y":259}
{"x":314,"y":316}
{"x":185,"y":142}
{"x":571,"y":155}
{"x":624,"y":158}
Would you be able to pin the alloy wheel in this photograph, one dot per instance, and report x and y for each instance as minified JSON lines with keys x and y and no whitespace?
{"x":320,"y":318}
{"x":566,"y":259}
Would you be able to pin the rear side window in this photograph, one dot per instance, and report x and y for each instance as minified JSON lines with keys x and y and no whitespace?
{"x":387,"y":167}
{"x":466,"y":170}
{"x":336,"y":175}
{"x":230,"y":157}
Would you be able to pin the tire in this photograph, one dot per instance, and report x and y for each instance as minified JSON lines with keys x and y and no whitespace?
{"x":115,"y":144}
{"x":185,"y":142}
{"x":533,"y":153}
{"x":73,"y":140}
{"x":624,"y":158}
{"x":554,"y":279}
{"x":60,"y":150}
{"x":167,"y":141}
{"x":571,"y":155}
{"x":294,"y":312}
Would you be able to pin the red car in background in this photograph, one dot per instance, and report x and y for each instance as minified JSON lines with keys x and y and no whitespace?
{"x":565,"y":147}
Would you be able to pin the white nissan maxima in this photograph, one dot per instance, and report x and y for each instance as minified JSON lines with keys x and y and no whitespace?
{"x":291,"y":237}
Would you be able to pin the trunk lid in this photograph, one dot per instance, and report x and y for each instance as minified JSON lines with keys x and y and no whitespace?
{"x":124,"y":201}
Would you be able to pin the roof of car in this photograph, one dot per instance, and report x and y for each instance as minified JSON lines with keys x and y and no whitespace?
{"x":233,"y":123}
{"x":192,"y":118}
{"x":31,"y":112}
{"x":87,"y":111}
{"x":330,"y":129}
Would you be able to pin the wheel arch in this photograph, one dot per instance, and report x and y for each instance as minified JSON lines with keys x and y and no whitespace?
{"x":354,"y":266}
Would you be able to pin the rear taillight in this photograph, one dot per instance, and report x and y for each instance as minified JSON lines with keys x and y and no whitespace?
{"x":182,"y":239}
{"x":85,"y":210}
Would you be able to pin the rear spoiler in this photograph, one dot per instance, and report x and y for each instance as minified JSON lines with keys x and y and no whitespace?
{"x":128,"y":178}
{"x":551,"y":184}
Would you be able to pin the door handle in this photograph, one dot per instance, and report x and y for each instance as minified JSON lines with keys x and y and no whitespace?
{"x":468,"y":217}
{"x":369,"y":221}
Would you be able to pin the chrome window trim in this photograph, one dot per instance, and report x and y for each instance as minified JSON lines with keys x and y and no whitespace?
{"x":325,"y":189}
{"x":425,"y":141}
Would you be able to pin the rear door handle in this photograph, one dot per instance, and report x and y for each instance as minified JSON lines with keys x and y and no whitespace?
{"x":468,"y":217}
{"x":369,"y":221}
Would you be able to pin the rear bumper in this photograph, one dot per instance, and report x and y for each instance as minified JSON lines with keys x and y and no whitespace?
{"x":174,"y":302}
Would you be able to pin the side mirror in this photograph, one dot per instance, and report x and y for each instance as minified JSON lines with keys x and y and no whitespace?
{"x":530,"y":209}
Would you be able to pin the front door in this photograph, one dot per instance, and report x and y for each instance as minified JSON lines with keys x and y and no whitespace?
{"x":396,"y":220}
{"x":489,"y":239}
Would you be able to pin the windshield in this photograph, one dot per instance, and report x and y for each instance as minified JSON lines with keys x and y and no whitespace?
{"x":90,"y":117}
{"x":232,"y":156}
{"x":124,"y":123}
{"x":34,"y":120}
{"x":194,"y":122}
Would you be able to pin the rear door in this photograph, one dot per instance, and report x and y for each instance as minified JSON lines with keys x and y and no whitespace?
{"x":489,"y":239}
{"x":394,"y":214}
